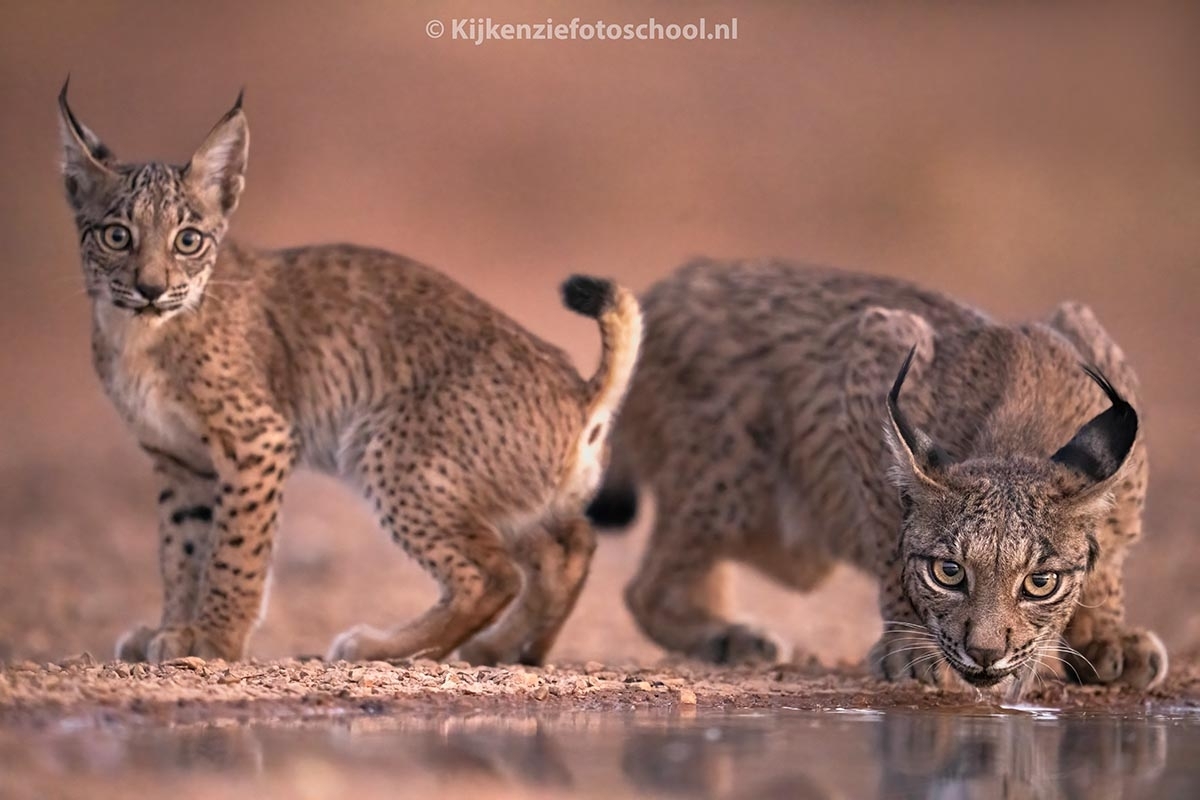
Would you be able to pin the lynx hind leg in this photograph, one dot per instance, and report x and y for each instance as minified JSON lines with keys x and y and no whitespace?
{"x":680,"y":594}
{"x":478,"y":580}
{"x":424,"y":504}
{"x":554,"y":557}
{"x":880,"y":340}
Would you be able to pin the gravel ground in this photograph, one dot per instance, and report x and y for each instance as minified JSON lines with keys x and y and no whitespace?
{"x":192,"y":690}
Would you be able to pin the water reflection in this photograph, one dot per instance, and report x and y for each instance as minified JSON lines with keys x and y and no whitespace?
{"x":1018,"y":756}
{"x":781,"y":754}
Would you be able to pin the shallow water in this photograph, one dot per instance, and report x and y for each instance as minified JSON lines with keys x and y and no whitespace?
{"x":776,"y":754}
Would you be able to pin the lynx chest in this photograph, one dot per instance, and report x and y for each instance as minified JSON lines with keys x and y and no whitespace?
{"x":153,"y":404}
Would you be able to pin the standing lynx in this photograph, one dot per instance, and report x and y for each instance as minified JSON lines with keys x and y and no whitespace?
{"x":476,"y":443}
{"x":994,"y":514}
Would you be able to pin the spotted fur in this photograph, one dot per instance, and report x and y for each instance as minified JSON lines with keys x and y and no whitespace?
{"x":759,"y":417}
{"x":476,"y":443}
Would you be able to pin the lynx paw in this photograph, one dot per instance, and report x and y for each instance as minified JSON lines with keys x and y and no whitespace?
{"x":896,"y":656}
{"x":1135,"y":658}
{"x":171,"y":643}
{"x":132,"y":645}
{"x":491,"y":647}
{"x":482,"y":654}
{"x":360,"y":643}
{"x":740,"y":644}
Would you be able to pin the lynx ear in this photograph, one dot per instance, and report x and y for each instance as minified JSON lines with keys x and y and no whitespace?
{"x":87,"y":163}
{"x":918,"y":459}
{"x":217,"y":170}
{"x":1100,"y":448}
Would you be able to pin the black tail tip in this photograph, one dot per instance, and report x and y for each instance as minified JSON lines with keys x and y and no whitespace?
{"x":613,"y":507}
{"x":587,"y":295}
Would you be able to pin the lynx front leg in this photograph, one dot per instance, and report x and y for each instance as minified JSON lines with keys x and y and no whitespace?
{"x":906,"y":648}
{"x":1106,"y":649}
{"x":251,"y":466}
{"x":879,"y":338}
{"x":185,"y":512}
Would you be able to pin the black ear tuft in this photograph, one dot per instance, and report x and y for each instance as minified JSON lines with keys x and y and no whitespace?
{"x":85,"y":138}
{"x":893,"y":400}
{"x":1100,"y":447}
{"x":925,"y":453}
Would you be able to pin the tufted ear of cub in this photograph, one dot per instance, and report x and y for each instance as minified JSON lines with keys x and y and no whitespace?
{"x":87,"y":164}
{"x":218,"y":168}
{"x":1100,"y":448}
{"x":918,"y":458}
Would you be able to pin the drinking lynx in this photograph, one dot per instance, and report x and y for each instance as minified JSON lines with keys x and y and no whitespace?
{"x":790,"y":418}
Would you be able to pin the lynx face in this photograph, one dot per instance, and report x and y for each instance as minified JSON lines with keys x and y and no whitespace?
{"x":994,"y":561}
{"x":995,"y":551}
{"x":149,"y":233}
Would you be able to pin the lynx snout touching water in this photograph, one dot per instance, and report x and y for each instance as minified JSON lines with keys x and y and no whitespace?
{"x":991,"y":484}
{"x":476,"y":443}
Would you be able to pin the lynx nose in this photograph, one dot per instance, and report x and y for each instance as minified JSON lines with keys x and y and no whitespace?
{"x":985,"y":656}
{"x":150,"y":291}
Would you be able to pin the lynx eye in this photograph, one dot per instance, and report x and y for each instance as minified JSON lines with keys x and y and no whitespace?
{"x":1040,"y":585}
{"x":116,"y":237}
{"x":948,"y":573}
{"x":188,"y":242}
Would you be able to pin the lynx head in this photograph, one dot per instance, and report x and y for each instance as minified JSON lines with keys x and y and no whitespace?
{"x":995,"y":550}
{"x":149,"y":233}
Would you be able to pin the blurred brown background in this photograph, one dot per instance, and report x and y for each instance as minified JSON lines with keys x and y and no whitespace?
{"x":1012,"y":154}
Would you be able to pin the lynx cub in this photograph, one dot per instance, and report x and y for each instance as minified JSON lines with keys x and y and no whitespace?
{"x":995,"y":523}
{"x":477,"y":444}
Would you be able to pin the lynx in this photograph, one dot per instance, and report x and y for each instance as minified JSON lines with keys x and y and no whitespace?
{"x":994,"y":489}
{"x":477,"y":444}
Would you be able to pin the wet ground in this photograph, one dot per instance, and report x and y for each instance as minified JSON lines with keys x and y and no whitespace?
{"x":775,"y":753}
{"x":302,"y":728}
